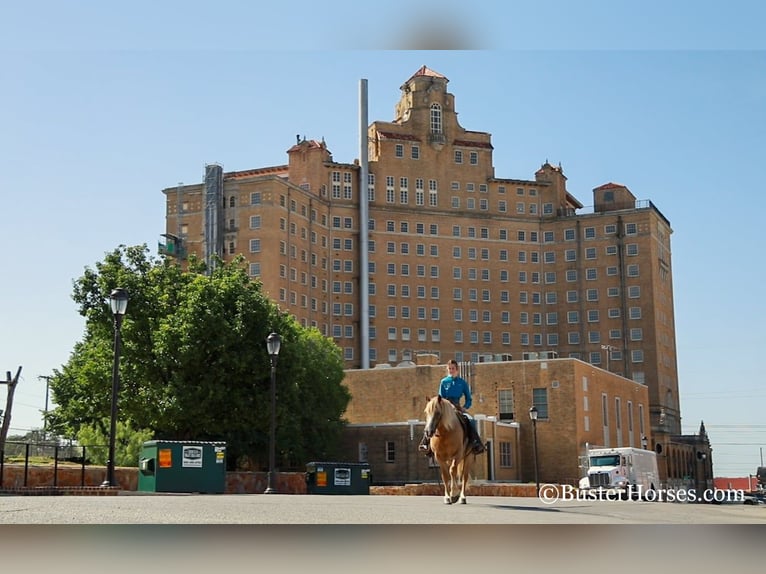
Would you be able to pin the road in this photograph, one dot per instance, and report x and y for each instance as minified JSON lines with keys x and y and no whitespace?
{"x":277,"y":509}
{"x":340,"y":533}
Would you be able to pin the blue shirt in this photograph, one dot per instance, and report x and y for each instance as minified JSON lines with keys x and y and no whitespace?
{"x":453,"y":388}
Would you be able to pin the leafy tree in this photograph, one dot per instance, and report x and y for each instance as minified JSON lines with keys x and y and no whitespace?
{"x":194,"y":364}
{"x":127,"y":444}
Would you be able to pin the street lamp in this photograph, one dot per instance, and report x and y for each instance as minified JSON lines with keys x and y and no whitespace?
{"x":608,"y":349}
{"x":118,"y":299}
{"x":273,"y":343}
{"x":533,"y":416}
{"x":644,"y":442}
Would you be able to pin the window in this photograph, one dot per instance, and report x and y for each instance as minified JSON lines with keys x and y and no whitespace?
{"x":436,"y":119}
{"x":415,"y":152}
{"x":633,"y":270}
{"x":590,"y":233}
{"x":631,"y":229}
{"x":573,"y":337}
{"x":506,"y":454}
{"x":458,"y":156}
{"x":505,"y":404}
{"x":549,"y":257}
{"x":255,"y":246}
{"x":637,"y":356}
{"x":540,"y":401}
{"x":573,"y":317}
{"x":474,"y":158}
{"x":390,"y":451}
{"x":399,"y":150}
{"x":631,"y":249}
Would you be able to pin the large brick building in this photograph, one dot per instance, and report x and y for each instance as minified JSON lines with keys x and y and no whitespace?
{"x":459,"y":262}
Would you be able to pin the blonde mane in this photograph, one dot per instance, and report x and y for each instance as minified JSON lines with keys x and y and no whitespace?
{"x":446,"y":409}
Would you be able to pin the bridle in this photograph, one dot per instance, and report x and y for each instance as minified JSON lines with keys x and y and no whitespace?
{"x":433,"y":424}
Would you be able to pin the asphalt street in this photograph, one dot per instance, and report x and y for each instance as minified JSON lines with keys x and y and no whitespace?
{"x":158,"y":508}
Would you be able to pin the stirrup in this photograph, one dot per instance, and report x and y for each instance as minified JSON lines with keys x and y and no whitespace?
{"x":423,"y":448}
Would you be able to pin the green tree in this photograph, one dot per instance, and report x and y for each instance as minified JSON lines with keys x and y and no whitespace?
{"x":127,"y":444}
{"x":194,"y":364}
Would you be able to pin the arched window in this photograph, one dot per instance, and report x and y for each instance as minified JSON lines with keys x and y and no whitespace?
{"x":436,"y":118}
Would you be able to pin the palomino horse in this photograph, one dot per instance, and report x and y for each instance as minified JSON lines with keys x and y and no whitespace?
{"x":451,"y":448}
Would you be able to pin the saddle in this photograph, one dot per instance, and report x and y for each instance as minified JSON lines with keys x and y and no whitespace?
{"x":464,"y":421}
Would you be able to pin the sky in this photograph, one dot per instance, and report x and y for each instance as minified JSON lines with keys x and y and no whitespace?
{"x":102,"y":107}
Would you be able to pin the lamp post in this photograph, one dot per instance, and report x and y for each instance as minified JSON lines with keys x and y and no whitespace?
{"x":273,"y":343}
{"x":533,"y":416}
{"x":118,"y":300}
{"x":608,"y":349}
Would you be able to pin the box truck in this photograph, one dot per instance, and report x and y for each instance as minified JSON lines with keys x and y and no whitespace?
{"x":630,"y":472}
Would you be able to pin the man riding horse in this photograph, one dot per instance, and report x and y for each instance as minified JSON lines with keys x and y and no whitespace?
{"x":453,"y":387}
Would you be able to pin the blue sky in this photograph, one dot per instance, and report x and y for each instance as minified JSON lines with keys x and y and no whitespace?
{"x":102,"y":107}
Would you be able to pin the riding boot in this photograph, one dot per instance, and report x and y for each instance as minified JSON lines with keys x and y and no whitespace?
{"x":477,"y":447}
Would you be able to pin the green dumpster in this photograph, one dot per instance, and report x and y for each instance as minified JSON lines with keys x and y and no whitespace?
{"x":338,"y":478}
{"x":182,"y":466}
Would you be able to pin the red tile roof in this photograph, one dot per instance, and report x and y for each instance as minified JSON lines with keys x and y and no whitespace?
{"x":468,"y":143}
{"x":425,"y":71}
{"x":610,"y":185}
{"x":273,"y":170}
{"x":311,"y":144}
{"x":395,"y":136}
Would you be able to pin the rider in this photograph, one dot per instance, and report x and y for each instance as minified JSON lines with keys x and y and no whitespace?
{"x":453,"y":387}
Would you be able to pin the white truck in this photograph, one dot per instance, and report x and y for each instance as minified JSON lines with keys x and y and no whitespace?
{"x":629,"y":472}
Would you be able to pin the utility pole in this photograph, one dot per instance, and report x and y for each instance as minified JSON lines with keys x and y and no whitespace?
{"x":8,"y":406}
{"x":47,"y":379}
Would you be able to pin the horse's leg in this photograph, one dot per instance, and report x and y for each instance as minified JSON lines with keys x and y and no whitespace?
{"x":444,"y":469}
{"x":454,"y":470}
{"x":464,"y":472}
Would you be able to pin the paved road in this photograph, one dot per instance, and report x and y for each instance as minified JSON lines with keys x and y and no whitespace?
{"x":343,"y":509}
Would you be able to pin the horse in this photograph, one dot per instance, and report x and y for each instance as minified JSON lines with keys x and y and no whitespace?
{"x":450,"y":445}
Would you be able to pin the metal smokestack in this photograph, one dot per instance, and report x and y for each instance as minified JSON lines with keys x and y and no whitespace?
{"x":364,"y":274}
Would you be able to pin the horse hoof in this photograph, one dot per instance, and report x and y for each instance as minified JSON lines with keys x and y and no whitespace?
{"x":454,"y":499}
{"x":462,"y":501}
{"x":448,"y":500}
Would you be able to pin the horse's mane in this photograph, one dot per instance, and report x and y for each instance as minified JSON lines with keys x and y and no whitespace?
{"x":448,"y":411}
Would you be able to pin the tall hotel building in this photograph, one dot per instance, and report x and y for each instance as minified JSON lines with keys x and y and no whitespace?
{"x":460,"y":263}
